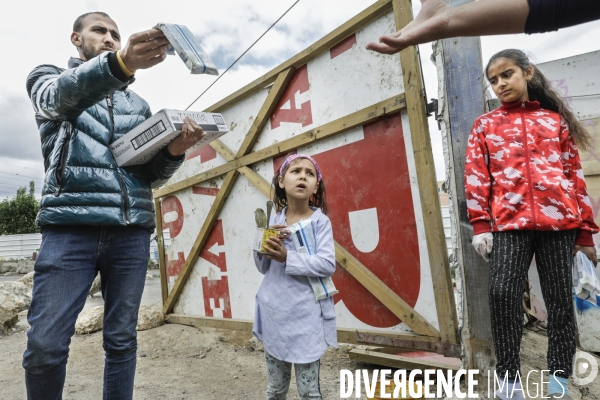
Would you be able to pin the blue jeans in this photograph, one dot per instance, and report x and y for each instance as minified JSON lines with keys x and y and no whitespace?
{"x":69,"y":259}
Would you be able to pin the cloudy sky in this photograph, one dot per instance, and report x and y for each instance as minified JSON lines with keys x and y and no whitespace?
{"x":38,"y":33}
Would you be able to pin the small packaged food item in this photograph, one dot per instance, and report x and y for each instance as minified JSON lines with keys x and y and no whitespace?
{"x":260,"y":239}
{"x":184,"y":43}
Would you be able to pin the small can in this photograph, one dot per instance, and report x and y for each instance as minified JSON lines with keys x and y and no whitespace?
{"x":260,"y":239}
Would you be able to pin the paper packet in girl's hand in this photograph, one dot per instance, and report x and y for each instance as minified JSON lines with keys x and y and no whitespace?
{"x":187,"y":47}
{"x":585,"y":279}
{"x":304,"y":241}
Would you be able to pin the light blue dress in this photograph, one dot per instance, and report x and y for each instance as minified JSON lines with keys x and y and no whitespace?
{"x":293,"y":326}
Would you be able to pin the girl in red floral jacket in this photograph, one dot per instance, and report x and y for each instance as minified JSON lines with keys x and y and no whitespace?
{"x":526,"y":195}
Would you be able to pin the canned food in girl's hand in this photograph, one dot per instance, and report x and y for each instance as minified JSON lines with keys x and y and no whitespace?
{"x":260,"y":239}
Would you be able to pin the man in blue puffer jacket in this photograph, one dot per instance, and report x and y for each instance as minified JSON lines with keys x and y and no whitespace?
{"x":95,"y":216}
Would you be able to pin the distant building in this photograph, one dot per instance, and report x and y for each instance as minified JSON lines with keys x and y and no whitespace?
{"x":444,"y":200}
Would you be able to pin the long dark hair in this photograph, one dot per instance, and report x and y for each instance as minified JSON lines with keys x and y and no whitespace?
{"x":540,"y":88}
{"x":280,"y":198}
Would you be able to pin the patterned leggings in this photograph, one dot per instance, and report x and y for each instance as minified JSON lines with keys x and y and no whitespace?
{"x":509,"y":262}
{"x":279,"y":374}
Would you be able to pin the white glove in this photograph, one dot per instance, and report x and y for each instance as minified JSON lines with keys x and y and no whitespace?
{"x":483,"y":244}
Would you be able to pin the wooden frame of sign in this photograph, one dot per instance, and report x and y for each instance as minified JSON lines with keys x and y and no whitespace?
{"x":238,"y":163}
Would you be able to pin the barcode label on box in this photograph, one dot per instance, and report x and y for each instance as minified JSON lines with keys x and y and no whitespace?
{"x":218,"y":120}
{"x":148,"y":135}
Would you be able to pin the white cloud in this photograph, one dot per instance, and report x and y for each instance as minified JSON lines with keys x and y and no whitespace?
{"x":39,"y":34}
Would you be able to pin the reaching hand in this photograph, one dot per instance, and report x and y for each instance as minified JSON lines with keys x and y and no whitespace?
{"x":191,"y":133}
{"x":145,"y":49}
{"x":437,"y":20}
{"x":283,"y":233}
{"x":589,"y":251}
{"x":483,"y":244}
{"x":430,"y":24}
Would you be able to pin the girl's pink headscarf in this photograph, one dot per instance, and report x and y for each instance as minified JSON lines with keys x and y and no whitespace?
{"x":293,"y":157}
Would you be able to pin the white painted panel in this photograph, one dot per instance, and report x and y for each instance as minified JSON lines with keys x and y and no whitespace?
{"x":577,"y":79}
{"x":338,"y":86}
{"x":364,"y":226}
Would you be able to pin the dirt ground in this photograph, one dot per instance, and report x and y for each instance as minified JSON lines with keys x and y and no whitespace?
{"x":174,"y":362}
{"x":181,"y":362}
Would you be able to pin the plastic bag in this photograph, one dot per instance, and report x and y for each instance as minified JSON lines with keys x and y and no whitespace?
{"x":304,"y":241}
{"x":586,"y":282}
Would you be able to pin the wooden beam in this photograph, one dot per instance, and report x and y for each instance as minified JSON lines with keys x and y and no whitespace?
{"x":265,"y":111}
{"x":209,"y":222}
{"x":346,"y":335}
{"x":241,"y":325}
{"x":444,"y":348}
{"x":463,"y":91}
{"x":162,"y":267}
{"x":342,"y":32}
{"x":197,"y":179}
{"x":427,"y":182}
{"x":384,"y":294}
{"x":258,"y":181}
{"x":366,"y":115}
{"x":358,"y":118}
{"x":223,"y":150}
{"x":361,"y":273}
{"x":398,"y":361}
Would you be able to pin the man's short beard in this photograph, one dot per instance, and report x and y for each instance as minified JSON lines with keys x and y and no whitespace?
{"x":88,"y":51}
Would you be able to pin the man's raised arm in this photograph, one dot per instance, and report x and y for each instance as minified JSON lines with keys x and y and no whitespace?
{"x":60,"y":95}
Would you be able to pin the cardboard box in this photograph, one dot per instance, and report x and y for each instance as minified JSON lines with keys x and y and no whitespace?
{"x":140,"y":144}
{"x":185,"y":44}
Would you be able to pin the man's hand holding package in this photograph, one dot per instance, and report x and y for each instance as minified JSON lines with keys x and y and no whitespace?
{"x":145,"y":49}
{"x":483,"y":244}
{"x":191,"y":133}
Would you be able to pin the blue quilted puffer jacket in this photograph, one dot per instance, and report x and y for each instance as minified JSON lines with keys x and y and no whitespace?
{"x":79,"y":112}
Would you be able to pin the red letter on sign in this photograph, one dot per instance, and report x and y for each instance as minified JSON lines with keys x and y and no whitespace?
{"x":206,"y":153}
{"x":372,"y":174}
{"x":216,"y":290}
{"x":174,"y":266}
{"x":172,"y":204}
{"x":287,"y":109}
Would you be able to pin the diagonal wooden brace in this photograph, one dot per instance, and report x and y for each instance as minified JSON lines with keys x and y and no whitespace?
{"x":209,"y":222}
{"x":430,"y":204}
{"x":361,"y":273}
{"x":358,"y":118}
{"x":259,"y":123}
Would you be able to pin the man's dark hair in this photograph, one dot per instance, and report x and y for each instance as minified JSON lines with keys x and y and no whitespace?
{"x":78,"y":25}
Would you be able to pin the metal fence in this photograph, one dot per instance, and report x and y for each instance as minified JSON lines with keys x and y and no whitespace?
{"x":19,"y":246}
{"x":23,"y":246}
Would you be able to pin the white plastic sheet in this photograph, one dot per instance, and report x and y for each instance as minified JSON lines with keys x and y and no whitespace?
{"x":586,"y":282}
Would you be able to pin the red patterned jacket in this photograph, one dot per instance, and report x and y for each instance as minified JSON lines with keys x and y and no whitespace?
{"x":522,"y":171}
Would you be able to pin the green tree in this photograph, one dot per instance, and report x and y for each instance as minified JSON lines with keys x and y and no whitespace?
{"x":17,"y":215}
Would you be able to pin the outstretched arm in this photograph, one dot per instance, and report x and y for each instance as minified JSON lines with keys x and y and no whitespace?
{"x":438,"y":20}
